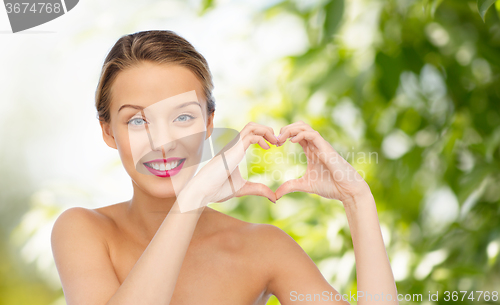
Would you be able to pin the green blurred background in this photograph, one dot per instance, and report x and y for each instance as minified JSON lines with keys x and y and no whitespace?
{"x":416,"y":83}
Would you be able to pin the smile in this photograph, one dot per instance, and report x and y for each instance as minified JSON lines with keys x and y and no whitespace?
{"x":165,"y":167}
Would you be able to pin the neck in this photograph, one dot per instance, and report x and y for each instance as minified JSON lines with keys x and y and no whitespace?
{"x":148,"y":212}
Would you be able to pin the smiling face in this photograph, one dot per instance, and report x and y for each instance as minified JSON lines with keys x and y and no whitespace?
{"x":158,"y":123}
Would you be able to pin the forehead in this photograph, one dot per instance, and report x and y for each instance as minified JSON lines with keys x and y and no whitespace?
{"x":149,"y":83}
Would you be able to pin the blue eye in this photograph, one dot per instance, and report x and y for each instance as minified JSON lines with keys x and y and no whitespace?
{"x":184,"y":118}
{"x":136,"y":121}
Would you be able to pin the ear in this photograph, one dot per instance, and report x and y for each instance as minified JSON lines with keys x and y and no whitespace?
{"x":107,"y":135}
{"x":210,"y":125}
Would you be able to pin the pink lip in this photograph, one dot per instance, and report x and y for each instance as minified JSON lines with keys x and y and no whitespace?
{"x":165,"y":173}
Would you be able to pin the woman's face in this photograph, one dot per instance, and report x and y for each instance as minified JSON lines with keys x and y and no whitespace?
{"x":158,"y":124}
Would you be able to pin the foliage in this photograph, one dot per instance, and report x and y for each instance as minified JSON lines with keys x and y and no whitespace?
{"x":417,"y":83}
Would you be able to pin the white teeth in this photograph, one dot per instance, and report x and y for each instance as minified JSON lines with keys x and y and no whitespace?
{"x":163,"y":166}
{"x":172,"y":165}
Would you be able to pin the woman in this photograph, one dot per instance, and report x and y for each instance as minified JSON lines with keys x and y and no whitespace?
{"x":164,"y":246}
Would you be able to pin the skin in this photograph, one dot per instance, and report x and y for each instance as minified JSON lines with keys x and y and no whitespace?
{"x":145,"y":251}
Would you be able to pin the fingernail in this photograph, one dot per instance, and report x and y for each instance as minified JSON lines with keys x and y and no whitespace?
{"x":271,"y":201}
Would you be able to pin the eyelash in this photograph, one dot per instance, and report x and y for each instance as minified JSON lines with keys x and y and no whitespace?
{"x":191,"y":117}
{"x":132,"y":119}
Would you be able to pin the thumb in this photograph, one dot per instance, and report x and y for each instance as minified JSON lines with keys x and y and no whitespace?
{"x":257,"y":189}
{"x":295,"y":185}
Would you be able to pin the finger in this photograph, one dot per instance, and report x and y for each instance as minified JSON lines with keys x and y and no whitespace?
{"x":298,"y":123}
{"x":292,"y":130}
{"x":252,"y":133}
{"x":232,"y":157}
{"x":257,"y":189}
{"x":257,"y":129}
{"x":234,"y":154}
{"x":233,"y":181}
{"x":308,"y":149}
{"x":255,"y":139}
{"x":295,"y":185}
{"x":316,"y":148}
{"x":269,"y":135}
{"x":298,"y":136}
{"x":313,"y":137}
{"x":309,"y":142}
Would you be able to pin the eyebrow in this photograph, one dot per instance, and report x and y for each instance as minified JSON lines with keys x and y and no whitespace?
{"x":141,"y":108}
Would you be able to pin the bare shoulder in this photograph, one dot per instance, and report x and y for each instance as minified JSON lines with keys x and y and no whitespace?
{"x":269,"y":239}
{"x":260,"y":243}
{"x":82,"y":258}
{"x":90,"y":226}
{"x":271,"y":234}
{"x":76,"y":218}
{"x":256,"y":236}
{"x":286,"y":266}
{"x":86,"y":224}
{"x":82,"y":220}
{"x":224,"y":224}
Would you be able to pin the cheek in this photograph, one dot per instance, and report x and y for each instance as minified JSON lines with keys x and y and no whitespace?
{"x":130,"y":147}
{"x":192,"y":137}
{"x":123,"y":145}
{"x":136,"y":144}
{"x":193,"y":145}
{"x":196,"y":127}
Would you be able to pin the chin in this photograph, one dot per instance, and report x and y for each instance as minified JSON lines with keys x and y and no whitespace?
{"x":160,"y":187}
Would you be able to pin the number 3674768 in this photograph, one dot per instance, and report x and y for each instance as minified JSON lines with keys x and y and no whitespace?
{"x":33,"y":8}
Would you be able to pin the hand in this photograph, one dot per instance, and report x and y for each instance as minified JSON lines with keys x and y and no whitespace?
{"x":220,"y":179}
{"x":327,"y":174}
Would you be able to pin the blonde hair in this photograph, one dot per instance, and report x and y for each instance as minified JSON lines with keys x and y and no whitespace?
{"x":157,"y":46}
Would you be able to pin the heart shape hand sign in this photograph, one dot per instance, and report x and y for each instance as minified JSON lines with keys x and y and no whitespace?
{"x":327,"y":173}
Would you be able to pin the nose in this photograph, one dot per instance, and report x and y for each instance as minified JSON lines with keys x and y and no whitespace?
{"x":160,"y":137}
